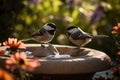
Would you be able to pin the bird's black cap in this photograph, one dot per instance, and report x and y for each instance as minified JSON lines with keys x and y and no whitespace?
{"x":52,"y":25}
{"x":71,"y":27}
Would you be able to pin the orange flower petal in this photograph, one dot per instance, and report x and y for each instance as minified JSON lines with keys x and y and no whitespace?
{"x":116,"y":29}
{"x":4,"y":75}
{"x":35,"y":63}
{"x":118,"y":52}
{"x":23,"y":55}
{"x":118,"y":24}
{"x":12,"y":42}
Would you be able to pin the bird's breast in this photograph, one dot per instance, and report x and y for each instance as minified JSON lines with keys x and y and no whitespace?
{"x":45,"y":38}
{"x":80,"y":42}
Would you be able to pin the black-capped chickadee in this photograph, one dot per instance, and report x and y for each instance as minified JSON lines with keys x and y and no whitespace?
{"x":45,"y":34}
{"x":80,"y":38}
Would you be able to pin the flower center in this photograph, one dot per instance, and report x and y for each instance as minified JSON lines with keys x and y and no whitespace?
{"x":21,"y":62}
{"x":13,"y":48}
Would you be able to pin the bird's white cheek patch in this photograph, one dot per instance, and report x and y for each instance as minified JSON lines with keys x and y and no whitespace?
{"x":73,"y":30}
{"x":48,"y":28}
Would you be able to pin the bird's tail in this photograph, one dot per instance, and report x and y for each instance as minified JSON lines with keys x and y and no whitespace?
{"x":27,"y":39}
{"x":100,"y":36}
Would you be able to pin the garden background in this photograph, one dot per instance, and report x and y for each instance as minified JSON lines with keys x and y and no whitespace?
{"x":20,"y":18}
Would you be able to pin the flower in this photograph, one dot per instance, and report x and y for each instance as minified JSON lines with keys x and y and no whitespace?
{"x":14,"y":45}
{"x":97,"y":15}
{"x":118,"y":52}
{"x":19,"y":60}
{"x":1,"y":51}
{"x":32,"y":64}
{"x":116,"y":29}
{"x":4,"y":75}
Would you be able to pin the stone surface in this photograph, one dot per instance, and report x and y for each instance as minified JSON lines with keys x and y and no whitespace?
{"x":83,"y":60}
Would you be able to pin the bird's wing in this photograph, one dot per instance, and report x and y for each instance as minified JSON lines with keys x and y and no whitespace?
{"x":79,"y":35}
{"x":39,"y":32}
{"x":75,"y":35}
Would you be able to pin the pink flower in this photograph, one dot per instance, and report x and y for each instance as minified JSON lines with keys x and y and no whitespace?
{"x":118,"y":52}
{"x":19,"y":60}
{"x":32,"y":64}
{"x":1,"y":51}
{"x":14,"y":45}
{"x":13,"y":42}
{"x":116,"y":29}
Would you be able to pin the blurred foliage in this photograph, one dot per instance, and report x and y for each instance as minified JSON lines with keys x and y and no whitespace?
{"x":20,"y":18}
{"x":9,"y":10}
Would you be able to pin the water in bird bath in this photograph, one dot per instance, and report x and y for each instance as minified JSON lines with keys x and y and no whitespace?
{"x":56,"y":54}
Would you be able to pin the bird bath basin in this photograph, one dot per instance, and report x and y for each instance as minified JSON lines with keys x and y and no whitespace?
{"x":71,"y":64}
{"x":76,"y":60}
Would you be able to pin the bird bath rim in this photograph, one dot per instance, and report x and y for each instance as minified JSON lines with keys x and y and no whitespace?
{"x":84,"y":60}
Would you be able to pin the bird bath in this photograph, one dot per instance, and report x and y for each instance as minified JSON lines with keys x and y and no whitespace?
{"x":71,"y":64}
{"x":75,"y":61}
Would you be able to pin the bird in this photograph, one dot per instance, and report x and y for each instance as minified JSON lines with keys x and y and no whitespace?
{"x":80,"y":38}
{"x":43,"y":35}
